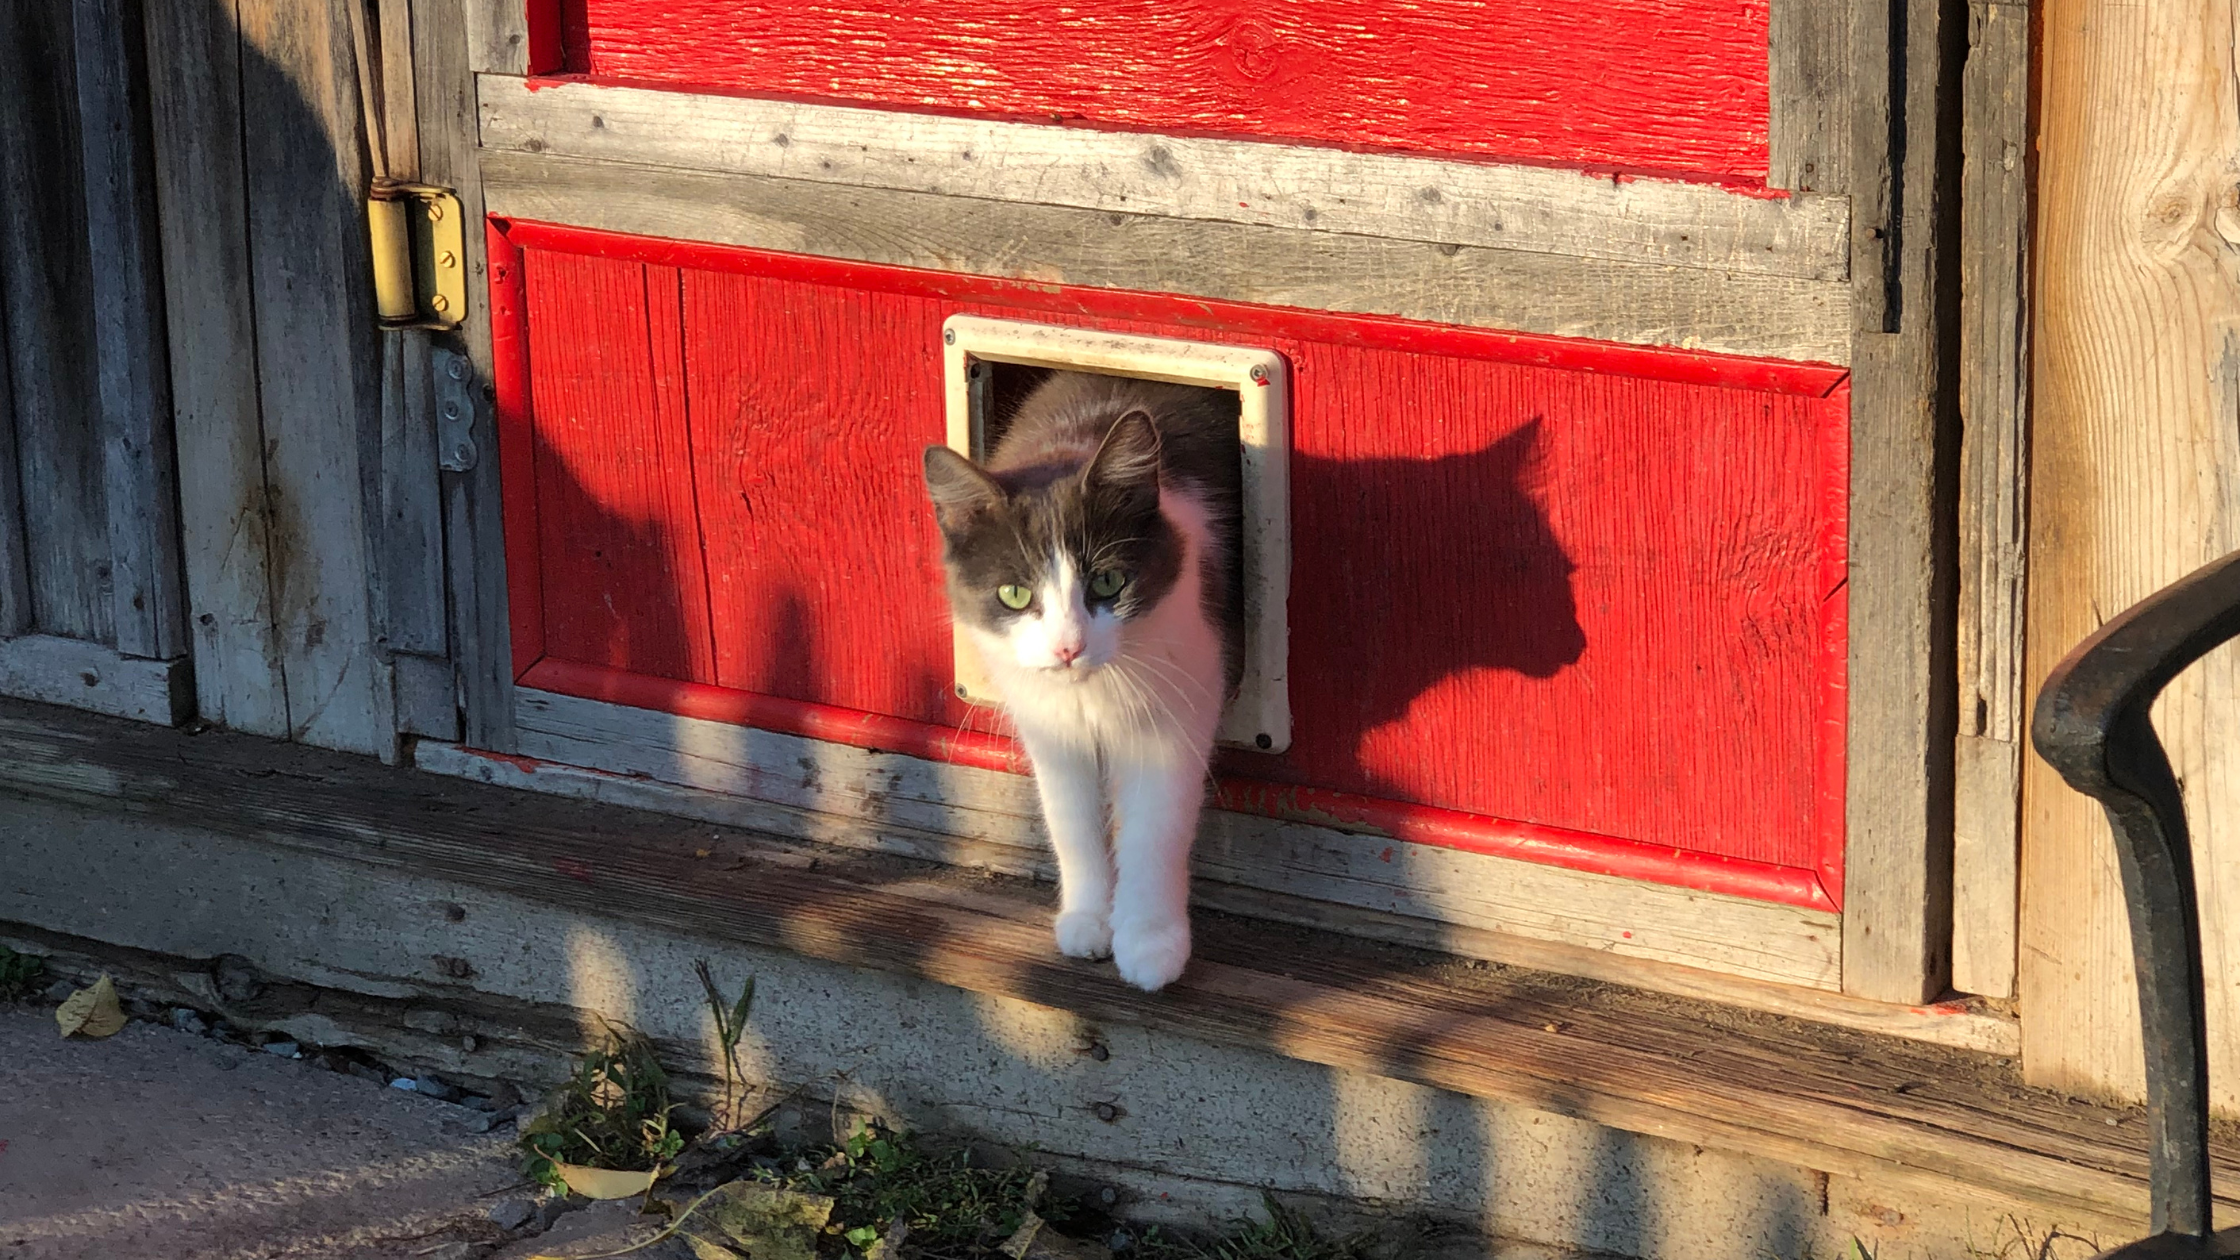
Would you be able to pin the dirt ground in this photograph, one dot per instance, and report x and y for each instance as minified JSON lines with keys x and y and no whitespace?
{"x":157,"y":1143}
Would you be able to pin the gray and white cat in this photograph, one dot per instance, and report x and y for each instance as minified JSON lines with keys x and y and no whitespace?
{"x":1093,"y":564}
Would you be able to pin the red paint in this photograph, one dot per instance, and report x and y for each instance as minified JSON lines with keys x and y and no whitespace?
{"x":1676,"y":86}
{"x":1655,"y":363}
{"x":509,"y":357}
{"x":526,"y":765}
{"x":1585,"y":601}
{"x":775,"y":713}
{"x":548,"y":38}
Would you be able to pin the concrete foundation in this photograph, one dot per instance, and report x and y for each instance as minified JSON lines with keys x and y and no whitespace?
{"x":479,"y":985}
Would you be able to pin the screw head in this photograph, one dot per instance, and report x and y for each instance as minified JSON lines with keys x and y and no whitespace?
{"x":447,"y":259}
{"x":1260,"y":374}
{"x":1262,"y":741}
{"x":451,"y":411}
{"x":462,"y":453}
{"x":457,"y":369}
{"x":439,"y":302}
{"x":948,"y":336}
{"x":435,"y":210}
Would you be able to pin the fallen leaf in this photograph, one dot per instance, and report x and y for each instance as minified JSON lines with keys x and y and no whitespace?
{"x":91,"y":1012}
{"x":1022,"y":1238}
{"x":605,"y":1183}
{"x":772,"y":1224}
{"x":702,"y":1249}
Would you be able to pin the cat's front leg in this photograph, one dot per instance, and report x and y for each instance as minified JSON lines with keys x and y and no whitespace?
{"x":1073,"y":809}
{"x":1155,"y":806}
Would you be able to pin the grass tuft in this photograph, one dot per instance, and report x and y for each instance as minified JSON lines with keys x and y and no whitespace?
{"x":953,"y":1208}
{"x":613,"y":1113}
{"x":1285,"y":1235}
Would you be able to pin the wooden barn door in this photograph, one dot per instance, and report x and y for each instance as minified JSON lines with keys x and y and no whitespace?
{"x":1625,"y":452}
{"x":92,"y":609}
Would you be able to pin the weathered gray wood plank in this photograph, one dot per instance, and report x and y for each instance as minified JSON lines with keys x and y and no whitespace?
{"x":1994,"y":493}
{"x":1652,"y":304}
{"x":497,"y":35}
{"x":1524,"y":208}
{"x":195,"y":91}
{"x":1809,"y":133}
{"x":474,"y":537}
{"x":15,"y":567}
{"x":1904,"y":448}
{"x":139,"y":463}
{"x":44,"y":281}
{"x":84,"y":675}
{"x":303,"y":137}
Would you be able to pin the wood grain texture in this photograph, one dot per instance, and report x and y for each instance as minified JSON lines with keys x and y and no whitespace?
{"x":1695,"y":634}
{"x":1904,"y":452}
{"x":864,"y":798}
{"x":496,"y":33}
{"x":2136,"y":381}
{"x":474,"y":542}
{"x":1608,"y":300}
{"x":1639,"y":85}
{"x":139,"y":461}
{"x":303,"y":141}
{"x":90,"y":676}
{"x":195,"y":99}
{"x":1994,"y":488}
{"x":1821,"y":1098}
{"x":1809,"y":90}
{"x":617,"y":489}
{"x":45,"y":276}
{"x":1535,"y":209}
{"x":408,"y":532}
{"x":996,"y":843}
{"x":15,"y":564}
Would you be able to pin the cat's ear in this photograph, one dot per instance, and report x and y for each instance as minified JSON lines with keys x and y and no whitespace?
{"x":957,"y":486}
{"x":1128,"y":458}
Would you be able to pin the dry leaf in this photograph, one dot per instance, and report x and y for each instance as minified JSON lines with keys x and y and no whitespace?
{"x":91,"y":1012}
{"x":772,"y":1224}
{"x":1023,"y":1237}
{"x":890,"y":1246}
{"x":605,"y":1183}
{"x":702,"y":1249}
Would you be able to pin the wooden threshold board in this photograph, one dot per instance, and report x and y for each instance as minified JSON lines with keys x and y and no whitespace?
{"x":1847,"y":1103}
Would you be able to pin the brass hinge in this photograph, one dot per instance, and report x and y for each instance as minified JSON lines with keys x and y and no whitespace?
{"x":419,"y":254}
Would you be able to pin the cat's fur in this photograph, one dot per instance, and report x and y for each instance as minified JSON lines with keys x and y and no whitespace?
{"x":1116,"y":699}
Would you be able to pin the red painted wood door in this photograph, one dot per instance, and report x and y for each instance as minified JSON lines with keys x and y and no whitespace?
{"x":1568,"y":601}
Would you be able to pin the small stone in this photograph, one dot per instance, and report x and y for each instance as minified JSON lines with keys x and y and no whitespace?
{"x":553,"y":1208}
{"x":512,"y":1214}
{"x":142,"y":1008}
{"x":188,"y":1021}
{"x":471,"y":1122}
{"x":364,"y":1072}
{"x":237,"y":978}
{"x":404,"y":1083}
{"x":1121,"y":1240}
{"x":282,"y":1049}
{"x":60,"y":990}
{"x":1108,"y":1196}
{"x":503,"y":1096}
{"x":438,"y":1090}
{"x":460,"y":1250}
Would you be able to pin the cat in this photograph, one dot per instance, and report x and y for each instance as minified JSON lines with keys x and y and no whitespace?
{"x":1093,"y":564}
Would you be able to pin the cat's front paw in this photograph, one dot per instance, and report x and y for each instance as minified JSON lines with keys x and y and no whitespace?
{"x":1084,"y":934}
{"x":1151,"y":955}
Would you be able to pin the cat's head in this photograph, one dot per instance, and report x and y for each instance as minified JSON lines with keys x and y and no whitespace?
{"x":1048,"y":565}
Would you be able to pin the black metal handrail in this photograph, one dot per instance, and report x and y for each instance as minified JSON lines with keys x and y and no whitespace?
{"x":2092,"y":725}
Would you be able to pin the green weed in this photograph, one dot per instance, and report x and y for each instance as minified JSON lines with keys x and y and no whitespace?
{"x":1285,"y":1235}
{"x":613,"y":1113}
{"x":953,"y":1207}
{"x":20,"y":975}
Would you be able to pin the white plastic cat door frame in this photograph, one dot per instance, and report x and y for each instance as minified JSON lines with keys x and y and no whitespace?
{"x":1260,"y":717}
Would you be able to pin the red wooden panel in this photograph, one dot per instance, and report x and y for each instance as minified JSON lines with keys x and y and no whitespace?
{"x":618,"y":531}
{"x":1636,"y":85}
{"x":1575,"y":603}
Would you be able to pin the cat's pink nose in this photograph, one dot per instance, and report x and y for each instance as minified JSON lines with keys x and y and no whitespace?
{"x":1066,"y":654}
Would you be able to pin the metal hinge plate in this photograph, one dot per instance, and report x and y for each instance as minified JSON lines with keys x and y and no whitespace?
{"x":419,"y":239}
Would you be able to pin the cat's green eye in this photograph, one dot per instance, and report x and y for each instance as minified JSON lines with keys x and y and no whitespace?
{"x":1014,"y":597}
{"x":1106,"y":583}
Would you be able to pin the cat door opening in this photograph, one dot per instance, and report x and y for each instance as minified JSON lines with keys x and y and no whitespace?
{"x":990,"y":364}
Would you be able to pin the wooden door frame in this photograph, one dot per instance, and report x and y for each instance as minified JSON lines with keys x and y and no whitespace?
{"x":1865,"y":106}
